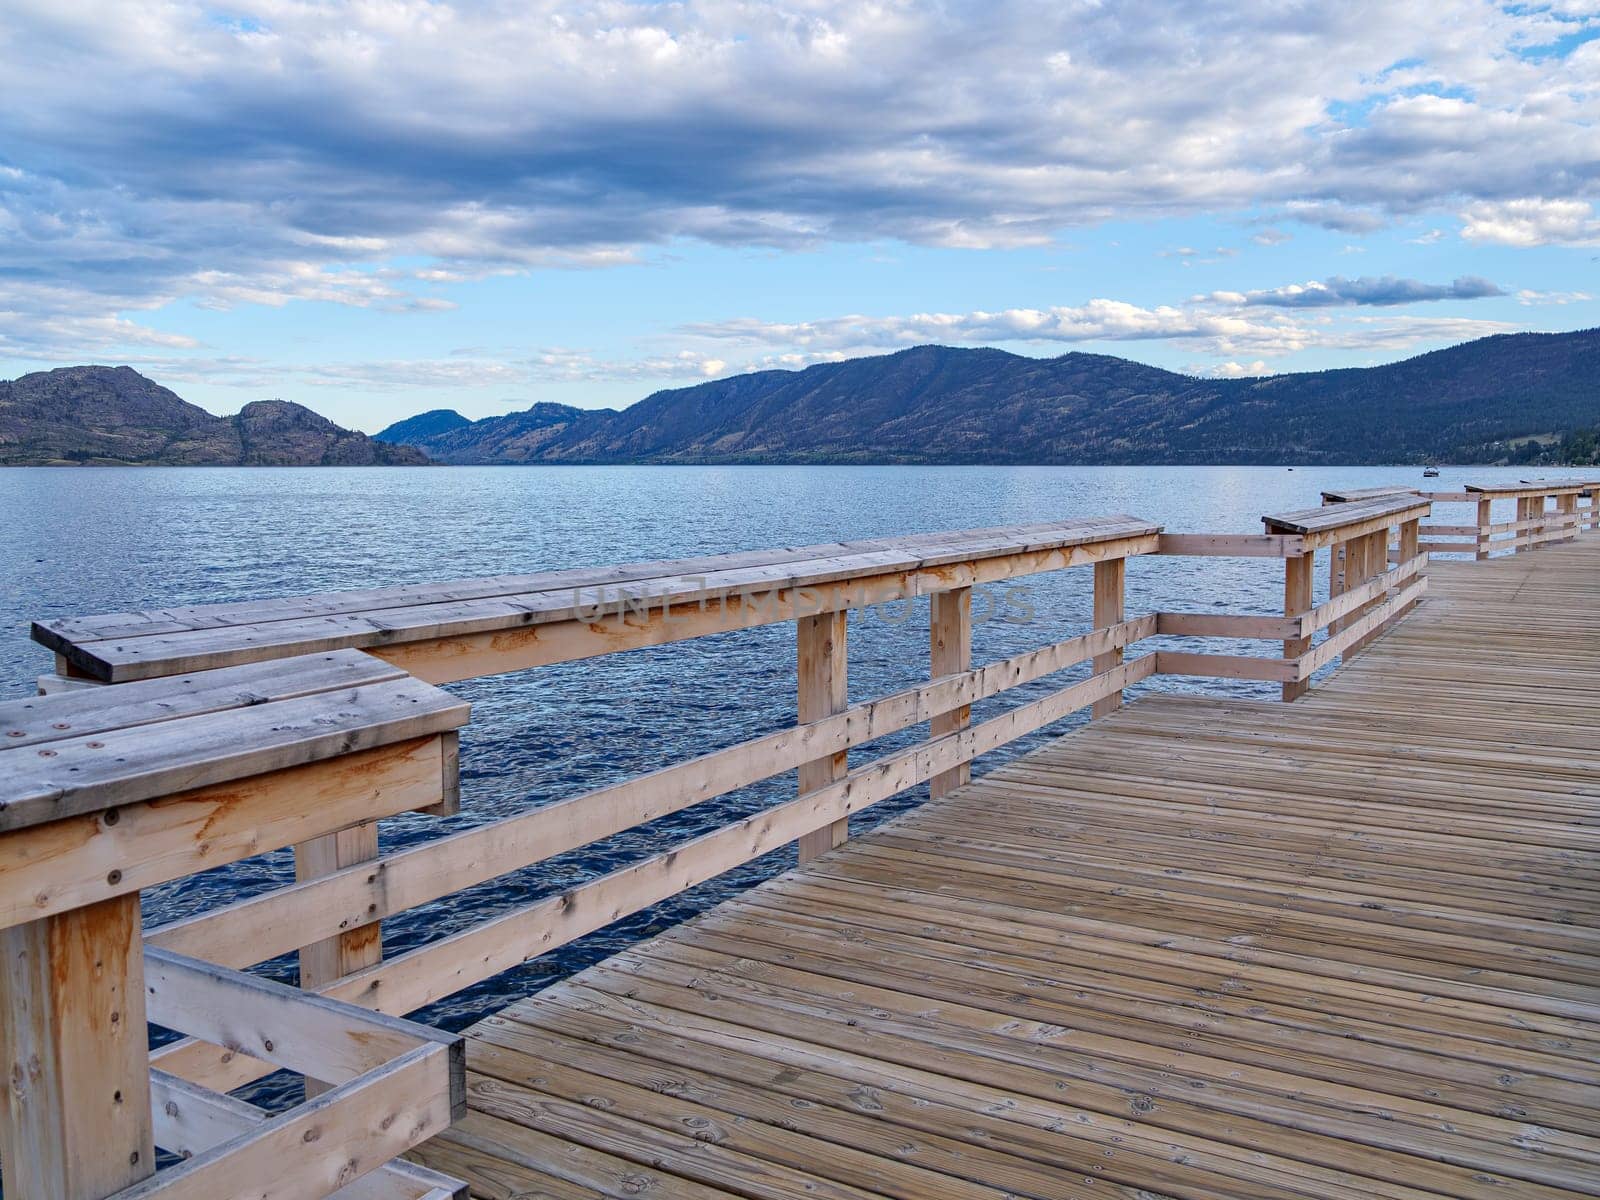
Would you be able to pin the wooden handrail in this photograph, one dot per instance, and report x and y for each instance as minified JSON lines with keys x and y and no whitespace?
{"x":1231,"y":545}
{"x":1354,"y":494}
{"x":1355,"y":527}
{"x":1346,"y":520}
{"x":1359,"y":631}
{"x":468,"y":628}
{"x":267,"y":925}
{"x":1544,"y":487}
{"x":196,"y":1120}
{"x":108,"y":791}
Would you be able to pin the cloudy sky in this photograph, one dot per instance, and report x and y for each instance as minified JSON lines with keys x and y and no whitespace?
{"x":390,"y":205}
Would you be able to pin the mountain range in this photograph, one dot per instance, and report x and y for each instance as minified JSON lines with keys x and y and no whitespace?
{"x":114,"y":416}
{"x":937,"y":404}
{"x":928,"y":404}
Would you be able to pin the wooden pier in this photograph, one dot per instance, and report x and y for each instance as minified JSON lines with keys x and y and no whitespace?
{"x":1203,"y":947}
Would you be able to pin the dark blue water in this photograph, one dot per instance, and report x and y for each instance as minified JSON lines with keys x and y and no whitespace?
{"x":79,"y":541}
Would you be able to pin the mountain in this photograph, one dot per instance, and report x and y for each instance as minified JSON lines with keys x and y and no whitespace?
{"x":115,"y":416}
{"x":514,"y":438}
{"x":936,"y":404}
{"x":433,"y":423}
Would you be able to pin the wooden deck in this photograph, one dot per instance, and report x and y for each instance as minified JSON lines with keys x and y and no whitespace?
{"x":1204,"y":948}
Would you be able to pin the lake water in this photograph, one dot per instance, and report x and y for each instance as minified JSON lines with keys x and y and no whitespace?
{"x":81,"y":541}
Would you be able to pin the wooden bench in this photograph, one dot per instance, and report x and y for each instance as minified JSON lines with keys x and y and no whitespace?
{"x":107,"y":791}
{"x":443,"y":632}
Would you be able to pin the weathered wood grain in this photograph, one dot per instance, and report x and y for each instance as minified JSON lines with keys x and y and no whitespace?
{"x":190,"y":1119}
{"x":75,"y":1121}
{"x":68,"y":755}
{"x":1347,"y":495}
{"x":950,"y":653}
{"x":66,"y":864}
{"x":1343,"y":521}
{"x":821,"y":668}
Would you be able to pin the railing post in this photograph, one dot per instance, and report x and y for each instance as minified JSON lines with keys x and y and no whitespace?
{"x":1297,"y":591}
{"x":821,"y":659}
{"x":1346,"y":574}
{"x":1567,"y":510}
{"x":323,"y":962}
{"x":1335,"y":577}
{"x":1535,"y":515}
{"x":333,"y":958}
{"x":1485,"y":522}
{"x":949,"y":652}
{"x":1371,"y":559}
{"x":1410,"y":539}
{"x":1410,"y":542}
{"x":1110,"y":581}
{"x":1354,"y":575}
{"x":75,"y":1102}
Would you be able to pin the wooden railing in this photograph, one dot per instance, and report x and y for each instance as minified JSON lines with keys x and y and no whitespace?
{"x":106,"y":792}
{"x":1365,"y":595}
{"x":1377,"y":571}
{"x":1546,"y":511}
{"x":815,"y":593}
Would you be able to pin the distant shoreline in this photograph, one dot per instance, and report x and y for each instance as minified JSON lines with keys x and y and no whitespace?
{"x":711,"y":462}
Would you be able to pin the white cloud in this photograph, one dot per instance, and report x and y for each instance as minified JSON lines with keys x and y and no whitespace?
{"x":749,"y":345}
{"x":1338,"y":216}
{"x":1233,"y":370}
{"x":1098,"y":320}
{"x":1529,"y":296}
{"x":1224,"y":324}
{"x":1532,"y":222}
{"x":1268,"y":322}
{"x":70,"y":337}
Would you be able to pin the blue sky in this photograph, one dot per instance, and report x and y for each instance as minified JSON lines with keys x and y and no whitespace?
{"x":380,"y":208}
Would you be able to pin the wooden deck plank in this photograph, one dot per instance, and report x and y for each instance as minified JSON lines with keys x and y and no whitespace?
{"x":1203,"y":948}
